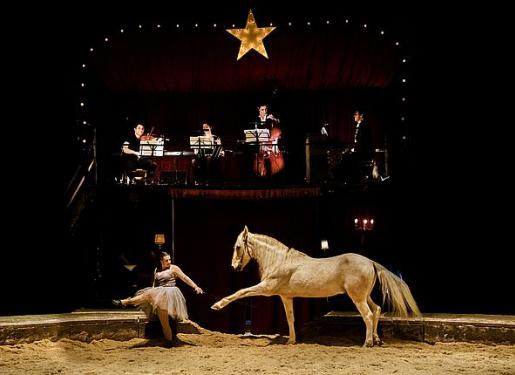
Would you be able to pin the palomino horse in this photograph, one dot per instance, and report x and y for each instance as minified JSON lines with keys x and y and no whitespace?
{"x":289,"y":273}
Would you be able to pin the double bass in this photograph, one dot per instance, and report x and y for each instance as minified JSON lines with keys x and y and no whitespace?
{"x":269,"y":159}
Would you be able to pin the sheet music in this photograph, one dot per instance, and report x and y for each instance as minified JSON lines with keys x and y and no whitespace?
{"x":154,"y":147}
{"x":202,"y":141}
{"x":257,"y":135}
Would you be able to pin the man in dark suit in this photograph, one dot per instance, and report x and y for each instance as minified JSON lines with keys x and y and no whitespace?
{"x":362,"y":148}
{"x":356,"y":165}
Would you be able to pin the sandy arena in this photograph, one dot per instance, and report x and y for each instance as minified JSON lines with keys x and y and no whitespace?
{"x":217,"y":353}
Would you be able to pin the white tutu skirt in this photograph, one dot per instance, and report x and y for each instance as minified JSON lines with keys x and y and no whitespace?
{"x":166,"y":298}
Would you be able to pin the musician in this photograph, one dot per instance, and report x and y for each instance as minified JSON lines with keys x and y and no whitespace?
{"x":266,"y":120}
{"x":267,"y":159}
{"x":210,"y":139}
{"x":362,"y":147}
{"x":207,"y":165}
{"x":354,"y":166}
{"x":131,"y":158}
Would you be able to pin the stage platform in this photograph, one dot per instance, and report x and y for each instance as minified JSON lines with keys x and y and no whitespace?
{"x":430,"y":328}
{"x":82,"y":325}
{"x":125,"y":324}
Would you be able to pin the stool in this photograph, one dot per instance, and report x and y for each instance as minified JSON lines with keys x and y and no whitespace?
{"x":138,"y":176}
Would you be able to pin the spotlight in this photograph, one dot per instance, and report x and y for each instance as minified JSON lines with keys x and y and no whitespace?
{"x":363,"y":223}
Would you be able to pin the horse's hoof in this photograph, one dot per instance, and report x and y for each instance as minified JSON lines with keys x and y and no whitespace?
{"x":291,"y":342}
{"x":378,"y":342}
{"x":216,"y":306}
{"x":368,"y":344}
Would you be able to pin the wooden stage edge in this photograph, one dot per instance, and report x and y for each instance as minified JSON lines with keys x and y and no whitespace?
{"x":126,"y":324}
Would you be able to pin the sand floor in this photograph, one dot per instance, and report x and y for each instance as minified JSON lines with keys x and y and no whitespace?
{"x":217,"y":353}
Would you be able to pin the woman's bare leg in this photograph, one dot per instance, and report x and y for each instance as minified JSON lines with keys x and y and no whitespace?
{"x":135,"y":300}
{"x":165,"y":325}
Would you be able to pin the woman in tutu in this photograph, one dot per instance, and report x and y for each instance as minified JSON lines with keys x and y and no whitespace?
{"x":163,"y":298}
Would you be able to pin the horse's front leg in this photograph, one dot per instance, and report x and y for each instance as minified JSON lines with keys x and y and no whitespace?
{"x":288,"y":309}
{"x":256,"y":290}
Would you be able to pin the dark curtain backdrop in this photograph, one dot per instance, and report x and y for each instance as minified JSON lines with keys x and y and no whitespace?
{"x":301,"y":58}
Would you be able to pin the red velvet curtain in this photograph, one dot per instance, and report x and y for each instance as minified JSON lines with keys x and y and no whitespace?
{"x":333,"y":57}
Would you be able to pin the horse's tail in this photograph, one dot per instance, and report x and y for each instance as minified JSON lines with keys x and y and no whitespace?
{"x":396,"y":292}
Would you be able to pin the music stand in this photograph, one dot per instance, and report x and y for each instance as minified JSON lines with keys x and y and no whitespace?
{"x":154,"y":147}
{"x":202,"y":143}
{"x":256,"y":136}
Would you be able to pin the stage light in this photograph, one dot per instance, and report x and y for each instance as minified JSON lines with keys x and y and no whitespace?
{"x":404,"y":60}
{"x":327,"y":22}
{"x":289,"y":23}
{"x":363,"y":223}
{"x":324,"y":245}
{"x":196,"y":25}
{"x":82,"y":104}
{"x":121,"y":31}
{"x":83,"y":66}
{"x":214,"y":25}
{"x":159,"y":240}
{"x":403,"y":118}
{"x":91,"y":49}
{"x":403,"y":99}
{"x":365,"y":25}
{"x":404,"y":80}
{"x":397,"y":44}
{"x":308,"y":23}
{"x":158,"y":26}
{"x":84,"y":123}
{"x":178,"y":25}
{"x":382,"y":32}
{"x":82,"y":84}
{"x":346,"y":21}
{"x":106,"y":39}
{"x":139,"y":26}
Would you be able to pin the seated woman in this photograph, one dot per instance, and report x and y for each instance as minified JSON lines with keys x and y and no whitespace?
{"x":163,"y":298}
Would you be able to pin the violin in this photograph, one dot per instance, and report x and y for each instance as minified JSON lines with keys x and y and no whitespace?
{"x":148,"y":137}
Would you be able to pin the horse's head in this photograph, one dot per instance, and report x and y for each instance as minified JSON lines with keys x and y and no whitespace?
{"x":241,"y":255}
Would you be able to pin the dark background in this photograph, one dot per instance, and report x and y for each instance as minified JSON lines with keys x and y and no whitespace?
{"x":453,"y":196}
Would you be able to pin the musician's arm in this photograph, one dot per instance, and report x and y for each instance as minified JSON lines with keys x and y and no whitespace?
{"x":128,"y":151}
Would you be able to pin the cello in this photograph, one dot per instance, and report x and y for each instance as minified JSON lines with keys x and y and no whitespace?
{"x":269,"y":159}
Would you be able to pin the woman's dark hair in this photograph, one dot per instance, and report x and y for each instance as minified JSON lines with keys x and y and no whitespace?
{"x":163,"y":254}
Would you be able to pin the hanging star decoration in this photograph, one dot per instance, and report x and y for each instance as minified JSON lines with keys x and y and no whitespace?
{"x":251,"y":37}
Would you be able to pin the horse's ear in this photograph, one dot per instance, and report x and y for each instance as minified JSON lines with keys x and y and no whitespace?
{"x":245,"y":232}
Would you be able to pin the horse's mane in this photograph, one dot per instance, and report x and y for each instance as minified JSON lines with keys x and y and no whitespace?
{"x":276,"y":244}
{"x":276,"y":253}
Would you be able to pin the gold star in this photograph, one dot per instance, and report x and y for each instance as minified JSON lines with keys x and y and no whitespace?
{"x":251,"y":37}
